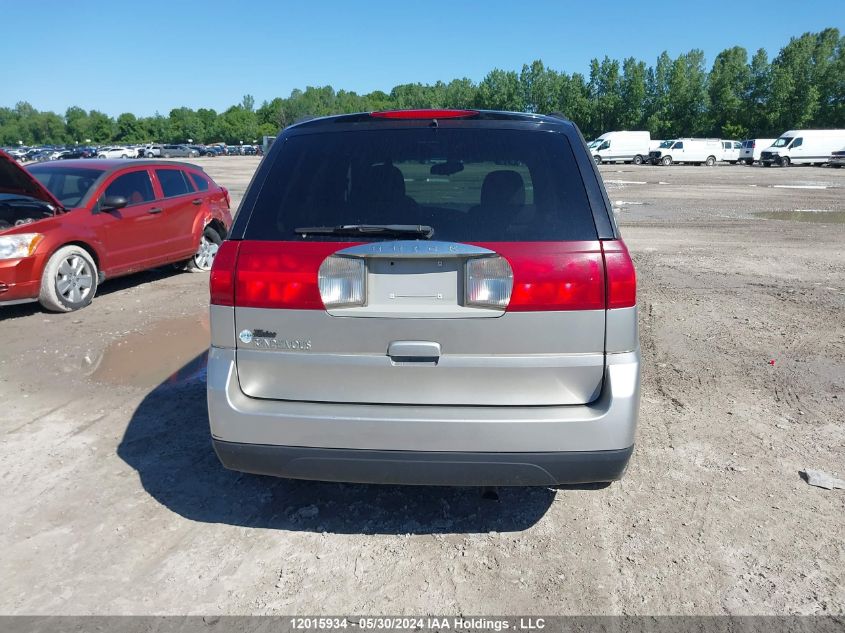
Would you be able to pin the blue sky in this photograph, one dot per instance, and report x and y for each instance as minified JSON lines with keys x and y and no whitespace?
{"x":155,"y":55}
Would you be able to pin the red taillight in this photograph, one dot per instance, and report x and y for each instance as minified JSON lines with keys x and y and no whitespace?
{"x":282,"y":274}
{"x":621,"y":276}
{"x":222,"y":279}
{"x":554,"y":275}
{"x":423,"y":114}
{"x":546,"y":275}
{"x":753,"y":144}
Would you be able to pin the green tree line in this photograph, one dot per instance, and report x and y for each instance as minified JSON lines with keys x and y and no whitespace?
{"x":740,"y":96}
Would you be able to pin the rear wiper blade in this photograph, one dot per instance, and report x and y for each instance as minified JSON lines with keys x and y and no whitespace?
{"x":420,"y":230}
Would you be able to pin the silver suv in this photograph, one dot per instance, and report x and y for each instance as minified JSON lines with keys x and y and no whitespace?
{"x":426,"y":297}
{"x":177,"y":151}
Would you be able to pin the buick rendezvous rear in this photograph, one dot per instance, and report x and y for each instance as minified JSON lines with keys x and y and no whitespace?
{"x":426,"y":297}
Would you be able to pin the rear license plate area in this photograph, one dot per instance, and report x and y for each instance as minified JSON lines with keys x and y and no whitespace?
{"x":415,"y":282}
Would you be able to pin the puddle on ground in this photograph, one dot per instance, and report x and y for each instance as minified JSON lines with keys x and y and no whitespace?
{"x":824,"y":217}
{"x":172,"y":351}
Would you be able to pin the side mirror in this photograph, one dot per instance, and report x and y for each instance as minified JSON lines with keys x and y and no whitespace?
{"x":112,"y":203}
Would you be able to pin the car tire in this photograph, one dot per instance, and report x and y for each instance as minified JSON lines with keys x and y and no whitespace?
{"x":666,"y":161}
{"x":784,"y":161}
{"x":209,"y":244}
{"x":101,"y":156}
{"x":638,"y":160}
{"x":711,"y":160}
{"x":749,"y":162}
{"x":597,"y":160}
{"x":69,"y":281}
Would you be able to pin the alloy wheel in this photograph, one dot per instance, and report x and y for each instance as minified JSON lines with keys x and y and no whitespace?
{"x":205,"y":255}
{"x":74,"y":279}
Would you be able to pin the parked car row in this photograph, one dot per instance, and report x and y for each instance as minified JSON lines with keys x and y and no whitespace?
{"x":814,"y":147}
{"x":150,"y":150}
{"x":40,"y":154}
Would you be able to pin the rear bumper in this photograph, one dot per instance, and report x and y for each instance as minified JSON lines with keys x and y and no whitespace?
{"x":535,"y":445}
{"x":424,"y":468}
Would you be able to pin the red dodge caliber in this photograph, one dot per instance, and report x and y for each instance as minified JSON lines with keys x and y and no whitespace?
{"x":66,"y":226}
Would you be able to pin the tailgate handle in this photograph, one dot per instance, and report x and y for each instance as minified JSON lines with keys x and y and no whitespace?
{"x":410,"y":351}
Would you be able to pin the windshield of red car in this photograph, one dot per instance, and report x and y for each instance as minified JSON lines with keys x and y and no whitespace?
{"x":67,"y":184}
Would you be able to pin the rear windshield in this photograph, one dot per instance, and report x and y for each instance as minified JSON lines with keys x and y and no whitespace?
{"x":468,"y":185}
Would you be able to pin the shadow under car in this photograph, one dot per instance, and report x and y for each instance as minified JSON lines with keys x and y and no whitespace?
{"x":167,"y":442}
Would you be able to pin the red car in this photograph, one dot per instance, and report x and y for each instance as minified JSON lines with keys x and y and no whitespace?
{"x":66,"y":226}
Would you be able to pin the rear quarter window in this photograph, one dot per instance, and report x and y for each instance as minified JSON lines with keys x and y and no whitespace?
{"x":200,"y":182}
{"x":468,"y":184}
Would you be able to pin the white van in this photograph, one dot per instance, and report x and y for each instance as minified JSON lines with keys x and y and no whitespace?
{"x":687,"y":150}
{"x":803,"y":147}
{"x":623,"y":146}
{"x":730,"y":151}
{"x":752,"y":148}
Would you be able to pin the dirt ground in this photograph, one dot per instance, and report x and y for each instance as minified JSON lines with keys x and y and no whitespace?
{"x":114,"y":502}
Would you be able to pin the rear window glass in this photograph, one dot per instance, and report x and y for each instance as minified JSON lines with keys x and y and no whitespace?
{"x":467,"y":184}
{"x":173,"y":182}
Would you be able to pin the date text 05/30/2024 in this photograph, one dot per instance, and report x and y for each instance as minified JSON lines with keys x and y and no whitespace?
{"x":418,"y":623}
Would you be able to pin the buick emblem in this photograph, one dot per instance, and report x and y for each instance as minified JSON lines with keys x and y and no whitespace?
{"x":245,"y":336}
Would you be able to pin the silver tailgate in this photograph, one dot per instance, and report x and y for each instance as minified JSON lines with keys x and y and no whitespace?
{"x":415,"y":344}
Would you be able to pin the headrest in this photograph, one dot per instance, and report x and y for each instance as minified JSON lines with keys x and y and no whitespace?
{"x":382,"y":182}
{"x":502,"y":187}
{"x":83,"y":185}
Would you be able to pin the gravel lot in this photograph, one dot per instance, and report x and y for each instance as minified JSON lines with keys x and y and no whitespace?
{"x":114,"y":502}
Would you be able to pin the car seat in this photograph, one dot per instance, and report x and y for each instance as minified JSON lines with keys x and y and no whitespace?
{"x":502,"y":200}
{"x":378,"y":195}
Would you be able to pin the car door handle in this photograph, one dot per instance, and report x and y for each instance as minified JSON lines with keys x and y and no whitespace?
{"x":155,"y":210}
{"x":196,"y":201}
